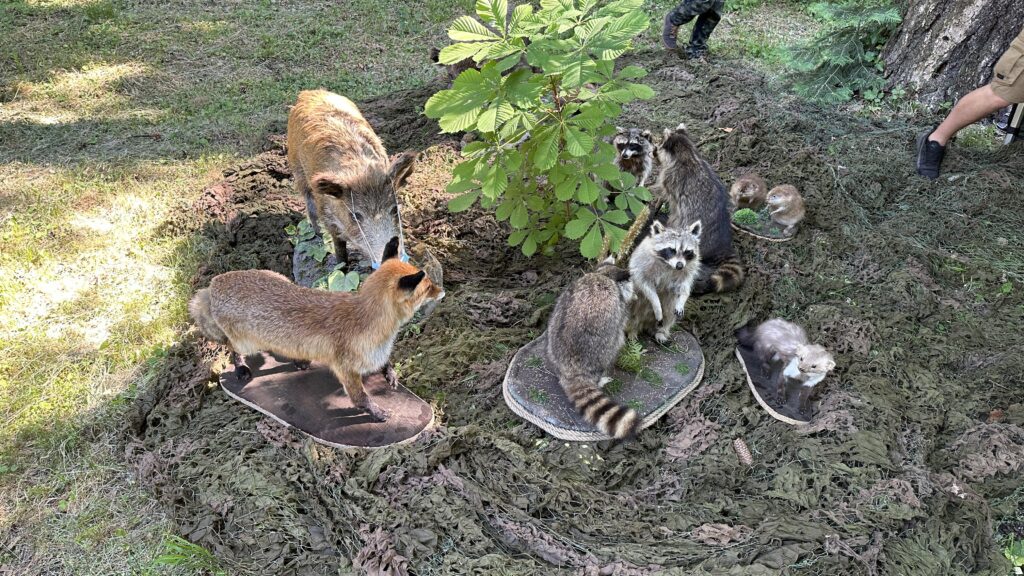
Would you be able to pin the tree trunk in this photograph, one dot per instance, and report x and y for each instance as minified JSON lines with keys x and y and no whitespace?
{"x":946,"y":48}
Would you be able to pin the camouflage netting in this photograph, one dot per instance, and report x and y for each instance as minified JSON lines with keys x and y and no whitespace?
{"x":917,"y":286}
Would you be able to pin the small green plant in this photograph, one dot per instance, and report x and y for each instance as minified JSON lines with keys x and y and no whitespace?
{"x":1014,"y":551}
{"x":614,"y":387}
{"x":539,"y":159}
{"x":844,"y":59}
{"x":635,"y":405}
{"x":181,"y":553}
{"x":682,"y":368}
{"x":535,"y":362}
{"x":537,"y":395}
{"x":631,"y":357}
{"x":745,"y":216}
{"x":340,"y":281}
{"x":304,"y":238}
{"x":651,"y":377}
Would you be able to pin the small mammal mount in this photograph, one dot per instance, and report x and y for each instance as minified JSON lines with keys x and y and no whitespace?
{"x":634,"y":152}
{"x":694,"y":192}
{"x":585,"y":334}
{"x":783,"y":349}
{"x":663,"y":268}
{"x":786,"y":206}
{"x":353,"y":333}
{"x":749,"y":191}
{"x":343,"y":171}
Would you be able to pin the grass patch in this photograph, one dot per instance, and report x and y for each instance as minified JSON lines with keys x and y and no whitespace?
{"x":614,"y":387}
{"x":651,"y":377}
{"x":631,"y":357}
{"x":537,"y":395}
{"x":682,"y":368}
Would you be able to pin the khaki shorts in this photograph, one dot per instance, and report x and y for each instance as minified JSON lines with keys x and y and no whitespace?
{"x":1008,"y":75}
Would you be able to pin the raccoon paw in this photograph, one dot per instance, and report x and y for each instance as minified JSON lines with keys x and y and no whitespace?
{"x":662,"y":336}
{"x":604,"y":381}
{"x":243,"y":373}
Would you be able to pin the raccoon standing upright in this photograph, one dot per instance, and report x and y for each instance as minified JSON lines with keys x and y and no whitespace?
{"x":585,"y":334}
{"x":663,"y":268}
{"x":634,"y":152}
{"x":694,"y":192}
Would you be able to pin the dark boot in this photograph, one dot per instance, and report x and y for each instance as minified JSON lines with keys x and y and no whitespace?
{"x":702,"y":30}
{"x":668,"y":33}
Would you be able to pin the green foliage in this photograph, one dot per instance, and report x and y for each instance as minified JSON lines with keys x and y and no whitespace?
{"x":304,"y":239}
{"x":844,"y":59}
{"x":745,"y":216}
{"x":631,"y":357}
{"x":1014,"y":551}
{"x":539,"y":159}
{"x":651,"y":377}
{"x":614,"y":387}
{"x":181,"y":553}
{"x":340,"y":281}
{"x":682,"y":368}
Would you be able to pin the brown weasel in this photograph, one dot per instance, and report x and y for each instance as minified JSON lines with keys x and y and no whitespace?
{"x":786,"y":206}
{"x":749,"y":191}
{"x":351,"y":332}
{"x":341,"y":168}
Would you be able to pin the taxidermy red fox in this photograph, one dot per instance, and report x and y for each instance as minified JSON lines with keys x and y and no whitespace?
{"x":351,"y":332}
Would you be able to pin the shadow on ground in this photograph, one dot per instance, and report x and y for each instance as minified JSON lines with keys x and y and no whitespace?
{"x":916,"y":286}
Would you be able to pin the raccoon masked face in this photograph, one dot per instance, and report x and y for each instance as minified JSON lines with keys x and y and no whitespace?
{"x":631,"y":142}
{"x":677,"y":248}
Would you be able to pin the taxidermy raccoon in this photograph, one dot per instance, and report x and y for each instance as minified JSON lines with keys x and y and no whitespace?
{"x":343,"y":171}
{"x":256,"y":311}
{"x":783,"y":346}
{"x":634,"y":153}
{"x":585,"y":334}
{"x":663,"y":268}
{"x":694,"y":192}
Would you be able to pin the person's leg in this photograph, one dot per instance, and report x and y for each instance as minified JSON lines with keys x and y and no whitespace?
{"x":686,"y":11}
{"x":971,"y":108}
{"x":703,"y":28}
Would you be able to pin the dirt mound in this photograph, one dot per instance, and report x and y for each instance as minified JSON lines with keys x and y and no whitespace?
{"x":916,"y":285}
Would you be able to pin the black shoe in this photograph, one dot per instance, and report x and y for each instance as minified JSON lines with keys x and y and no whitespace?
{"x":929,"y":156}
{"x":693,"y":52}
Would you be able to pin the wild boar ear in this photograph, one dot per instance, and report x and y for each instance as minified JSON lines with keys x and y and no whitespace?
{"x":390,"y":250}
{"x":401,"y":168}
{"x":330,"y":185}
{"x":411,"y":281}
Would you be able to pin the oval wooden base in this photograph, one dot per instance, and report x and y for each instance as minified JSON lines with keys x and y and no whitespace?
{"x":769,"y":232}
{"x":532,"y":390}
{"x":314,"y":402}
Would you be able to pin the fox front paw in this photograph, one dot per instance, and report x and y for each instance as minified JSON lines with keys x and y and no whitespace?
{"x":302,"y":364}
{"x":376,"y":412}
{"x":391,"y":376}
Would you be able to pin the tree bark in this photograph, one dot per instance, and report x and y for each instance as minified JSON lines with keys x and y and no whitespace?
{"x":946,"y":48}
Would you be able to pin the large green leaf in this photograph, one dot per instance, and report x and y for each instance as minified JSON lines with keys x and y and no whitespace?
{"x":588,"y":191}
{"x":590,"y":247}
{"x":575,"y":229}
{"x":578,"y":143}
{"x":468,"y":29}
{"x":546,"y":148}
{"x":520,"y":217}
{"x":615,"y":217}
{"x":496,"y":181}
{"x":493,"y":12}
{"x":459,"y":122}
{"x":463,"y":202}
{"x":460,"y":51}
{"x":521,"y":22}
{"x":566,"y":189}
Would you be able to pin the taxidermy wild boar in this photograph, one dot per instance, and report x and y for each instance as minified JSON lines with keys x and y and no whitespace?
{"x":341,"y":168}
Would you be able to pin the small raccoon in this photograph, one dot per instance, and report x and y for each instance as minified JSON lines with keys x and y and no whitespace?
{"x":663,"y":268}
{"x":694,"y":192}
{"x":786,"y":206}
{"x":634,"y":153}
{"x":749,"y":191}
{"x":784,"y":346}
{"x":585,"y":333}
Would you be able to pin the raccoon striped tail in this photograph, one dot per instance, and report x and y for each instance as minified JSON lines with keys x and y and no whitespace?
{"x":728,"y":276}
{"x":599,"y":410}
{"x":199,"y":308}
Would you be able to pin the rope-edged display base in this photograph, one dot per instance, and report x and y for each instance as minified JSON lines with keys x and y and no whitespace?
{"x":765,"y":229}
{"x":533,"y":392}
{"x":314,"y":402}
{"x":765,"y":392}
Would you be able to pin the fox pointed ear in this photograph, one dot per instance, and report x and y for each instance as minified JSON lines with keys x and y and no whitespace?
{"x":411,"y":281}
{"x":657,"y":228}
{"x":331,"y":185}
{"x":696,"y":228}
{"x":390,"y":249}
{"x":401,"y":168}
